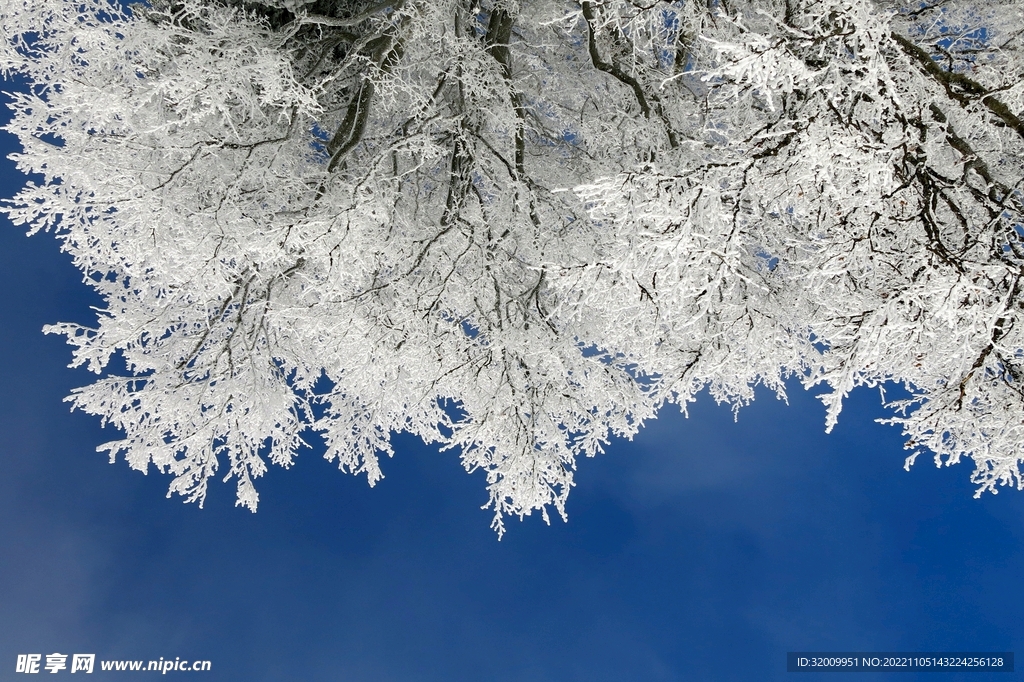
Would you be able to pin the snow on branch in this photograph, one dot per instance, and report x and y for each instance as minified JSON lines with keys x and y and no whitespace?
{"x":519,"y":228}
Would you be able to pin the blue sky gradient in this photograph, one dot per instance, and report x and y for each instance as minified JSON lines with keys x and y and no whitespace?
{"x":704,"y":550}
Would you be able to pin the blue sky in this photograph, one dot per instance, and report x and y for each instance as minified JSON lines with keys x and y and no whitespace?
{"x":704,"y":550}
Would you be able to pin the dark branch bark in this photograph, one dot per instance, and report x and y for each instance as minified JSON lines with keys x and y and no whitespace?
{"x":959,"y":87}
{"x":499,"y":32}
{"x":610,"y":67}
{"x":354,"y":20}
{"x":351,"y":130}
{"x":616,"y":72}
{"x":999,"y":330}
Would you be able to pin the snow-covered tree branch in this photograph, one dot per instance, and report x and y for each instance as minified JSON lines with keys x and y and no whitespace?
{"x":517,"y":228}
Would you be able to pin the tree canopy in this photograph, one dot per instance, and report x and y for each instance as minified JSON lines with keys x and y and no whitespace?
{"x":517,"y":228}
